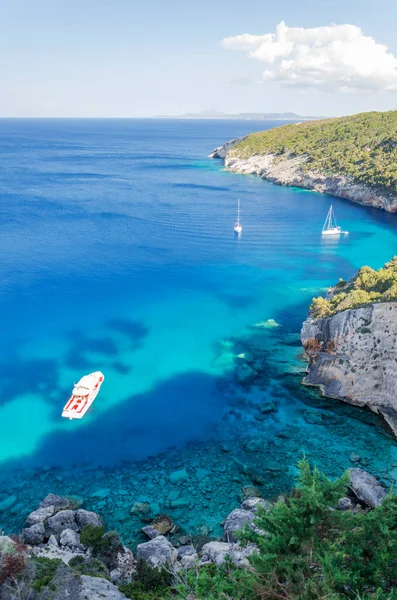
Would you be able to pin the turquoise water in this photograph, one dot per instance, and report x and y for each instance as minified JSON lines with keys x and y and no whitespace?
{"x":118,"y":254}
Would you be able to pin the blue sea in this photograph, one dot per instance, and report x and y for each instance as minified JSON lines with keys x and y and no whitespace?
{"x":118,"y":254}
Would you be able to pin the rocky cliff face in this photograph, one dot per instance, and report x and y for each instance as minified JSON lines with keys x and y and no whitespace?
{"x":290,"y":171}
{"x":353,"y":356}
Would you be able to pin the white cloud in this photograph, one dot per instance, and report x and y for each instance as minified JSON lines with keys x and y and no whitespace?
{"x":332,"y":58}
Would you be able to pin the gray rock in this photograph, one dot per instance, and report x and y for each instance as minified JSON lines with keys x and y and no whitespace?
{"x":124,"y":568}
{"x":344,"y":504}
{"x":97,"y":588}
{"x":53,"y":541}
{"x":157,"y":552}
{"x":221,"y":151}
{"x":64,"y":519}
{"x":33,"y":535}
{"x":87,"y":517}
{"x":253,"y":504}
{"x":69,"y":538}
{"x":150,"y":531}
{"x":366,"y":488}
{"x":40,"y":515}
{"x":140,"y":508}
{"x":186,"y":551}
{"x":216,"y":552}
{"x":235,"y":521}
{"x":56,"y":501}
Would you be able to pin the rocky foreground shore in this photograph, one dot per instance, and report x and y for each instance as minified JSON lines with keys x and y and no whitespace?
{"x":59,"y":530}
{"x":292,"y":170}
{"x":353,"y":357}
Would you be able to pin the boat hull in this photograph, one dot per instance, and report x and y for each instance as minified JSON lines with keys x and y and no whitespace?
{"x":238,"y":229}
{"x":330,"y":232}
{"x":78,"y":405}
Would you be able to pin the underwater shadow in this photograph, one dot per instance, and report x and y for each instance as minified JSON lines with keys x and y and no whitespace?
{"x":176,"y":412}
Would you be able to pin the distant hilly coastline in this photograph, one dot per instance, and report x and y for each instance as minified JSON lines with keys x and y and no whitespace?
{"x":215,"y":114}
{"x":351,"y":157}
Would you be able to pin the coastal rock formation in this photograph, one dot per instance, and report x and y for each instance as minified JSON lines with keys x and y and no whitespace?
{"x":221,"y":151}
{"x":366,"y":488}
{"x":97,"y":588}
{"x":289,"y":170}
{"x":353,"y":357}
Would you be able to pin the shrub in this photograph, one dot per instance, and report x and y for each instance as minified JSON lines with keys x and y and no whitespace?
{"x":150,"y":583}
{"x":91,"y":536}
{"x":367,"y":287}
{"x":45,"y":569}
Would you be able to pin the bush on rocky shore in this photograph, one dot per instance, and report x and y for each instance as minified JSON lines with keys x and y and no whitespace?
{"x":327,"y":539}
{"x":366,"y":287}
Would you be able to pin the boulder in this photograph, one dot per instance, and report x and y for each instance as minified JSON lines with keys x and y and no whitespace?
{"x":163,"y":524}
{"x":216,"y":552}
{"x":97,"y":588}
{"x":267,"y":407}
{"x":40,"y":515}
{"x":366,"y":488}
{"x":186,"y":551}
{"x":140,"y":508}
{"x":157,"y":552}
{"x":253,"y":504}
{"x":124,"y":569}
{"x":34,"y":535}
{"x":64,"y":519}
{"x":69,"y":538}
{"x":179,"y":476}
{"x":344,"y":504}
{"x":57,"y":502}
{"x":235,"y":521}
{"x":150,"y":531}
{"x":87,"y":517}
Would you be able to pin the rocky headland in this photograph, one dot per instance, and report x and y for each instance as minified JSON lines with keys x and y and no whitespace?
{"x":350,"y":340}
{"x":352,"y":157}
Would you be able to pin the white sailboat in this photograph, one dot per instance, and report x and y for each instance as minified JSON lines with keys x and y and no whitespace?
{"x":330,"y":226}
{"x":237,"y":226}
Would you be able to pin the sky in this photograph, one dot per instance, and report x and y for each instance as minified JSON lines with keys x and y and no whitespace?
{"x":129,"y":58}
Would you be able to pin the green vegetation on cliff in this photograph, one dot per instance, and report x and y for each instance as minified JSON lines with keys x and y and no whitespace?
{"x":363,"y":146}
{"x":367,"y":287}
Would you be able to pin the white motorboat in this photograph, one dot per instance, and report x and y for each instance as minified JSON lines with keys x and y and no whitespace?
{"x":83,"y":395}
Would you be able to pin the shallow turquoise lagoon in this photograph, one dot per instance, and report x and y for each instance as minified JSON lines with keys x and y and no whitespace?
{"x":118,"y":254}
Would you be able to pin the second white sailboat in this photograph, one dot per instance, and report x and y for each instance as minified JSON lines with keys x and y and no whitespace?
{"x":237,"y":226}
{"x":330,"y":226}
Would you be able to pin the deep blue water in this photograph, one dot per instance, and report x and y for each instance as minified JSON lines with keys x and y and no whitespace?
{"x":118,"y":254}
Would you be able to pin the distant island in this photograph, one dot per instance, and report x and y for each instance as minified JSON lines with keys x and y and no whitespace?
{"x":351,"y":157}
{"x":215,"y":114}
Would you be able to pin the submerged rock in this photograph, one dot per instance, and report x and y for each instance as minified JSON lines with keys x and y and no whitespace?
{"x":366,"y":488}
